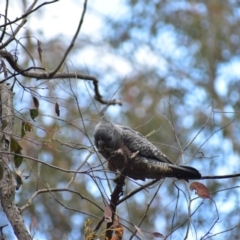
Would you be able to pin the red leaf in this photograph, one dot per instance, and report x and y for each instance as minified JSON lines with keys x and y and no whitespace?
{"x":33,"y":225}
{"x":108,"y":214}
{"x":200,"y":189}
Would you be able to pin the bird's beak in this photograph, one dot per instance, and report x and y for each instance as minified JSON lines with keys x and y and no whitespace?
{"x":101,"y":145}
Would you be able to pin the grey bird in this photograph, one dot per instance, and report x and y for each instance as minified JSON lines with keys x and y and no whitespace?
{"x":128,"y":150}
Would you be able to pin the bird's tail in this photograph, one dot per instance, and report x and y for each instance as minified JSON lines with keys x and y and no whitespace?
{"x":185,"y":172}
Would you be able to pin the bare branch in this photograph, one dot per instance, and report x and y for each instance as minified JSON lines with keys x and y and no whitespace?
{"x":56,"y":190}
{"x":221,"y":176}
{"x":45,"y":75}
{"x":226,"y":125}
{"x":42,"y":162}
{"x":148,"y":206}
{"x":72,"y":42}
{"x":214,"y":223}
{"x":130,"y":194}
{"x":117,"y":192}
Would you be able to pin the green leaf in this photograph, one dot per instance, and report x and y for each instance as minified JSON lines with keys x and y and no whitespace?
{"x":15,"y":145}
{"x":33,"y":113}
{"x":26,"y":126}
{"x":16,"y":148}
{"x":4,"y":124}
{"x":23,"y":132}
{"x":18,"y":160}
{"x":2,"y":138}
{"x":1,"y":172}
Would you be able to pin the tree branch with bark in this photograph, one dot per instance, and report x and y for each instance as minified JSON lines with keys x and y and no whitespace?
{"x":7,"y":175}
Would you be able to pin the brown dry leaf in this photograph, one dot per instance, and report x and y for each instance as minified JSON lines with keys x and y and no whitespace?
{"x":200,"y":189}
{"x":57,"y":110}
{"x":118,"y":233}
{"x":158,"y":235}
{"x":36,"y":102}
{"x":116,"y":222}
{"x":108,"y":214}
{"x":39,"y":50}
{"x":118,"y":228}
{"x":18,"y":178}
{"x":115,"y":238}
{"x":139,"y":230}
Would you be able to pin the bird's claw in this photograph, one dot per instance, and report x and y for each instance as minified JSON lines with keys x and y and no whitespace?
{"x":119,"y":180}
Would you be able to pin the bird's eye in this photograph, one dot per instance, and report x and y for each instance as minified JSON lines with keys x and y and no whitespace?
{"x":109,"y":139}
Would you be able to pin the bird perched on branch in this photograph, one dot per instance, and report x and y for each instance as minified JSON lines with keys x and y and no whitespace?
{"x":128,"y":151}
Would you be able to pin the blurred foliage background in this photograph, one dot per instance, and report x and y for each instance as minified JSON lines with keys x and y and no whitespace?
{"x":175,"y":66}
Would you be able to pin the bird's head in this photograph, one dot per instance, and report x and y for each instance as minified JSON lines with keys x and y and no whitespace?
{"x":107,"y":135}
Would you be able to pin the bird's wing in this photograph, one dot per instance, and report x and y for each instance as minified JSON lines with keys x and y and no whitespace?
{"x":137,"y":143}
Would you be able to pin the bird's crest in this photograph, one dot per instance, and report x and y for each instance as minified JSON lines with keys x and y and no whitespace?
{"x":105,"y":119}
{"x":105,"y":124}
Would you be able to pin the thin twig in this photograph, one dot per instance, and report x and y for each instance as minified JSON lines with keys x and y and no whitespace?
{"x":45,"y":75}
{"x":72,"y":209}
{"x":208,"y":232}
{"x":148,"y":206}
{"x":130,"y":194}
{"x":42,"y":162}
{"x":202,"y":128}
{"x":28,"y":13}
{"x":28,"y":203}
{"x":72,"y":42}
{"x":81,"y":165}
{"x":12,"y":36}
{"x":5,"y":21}
{"x":211,"y":136}
{"x":221,"y":176}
